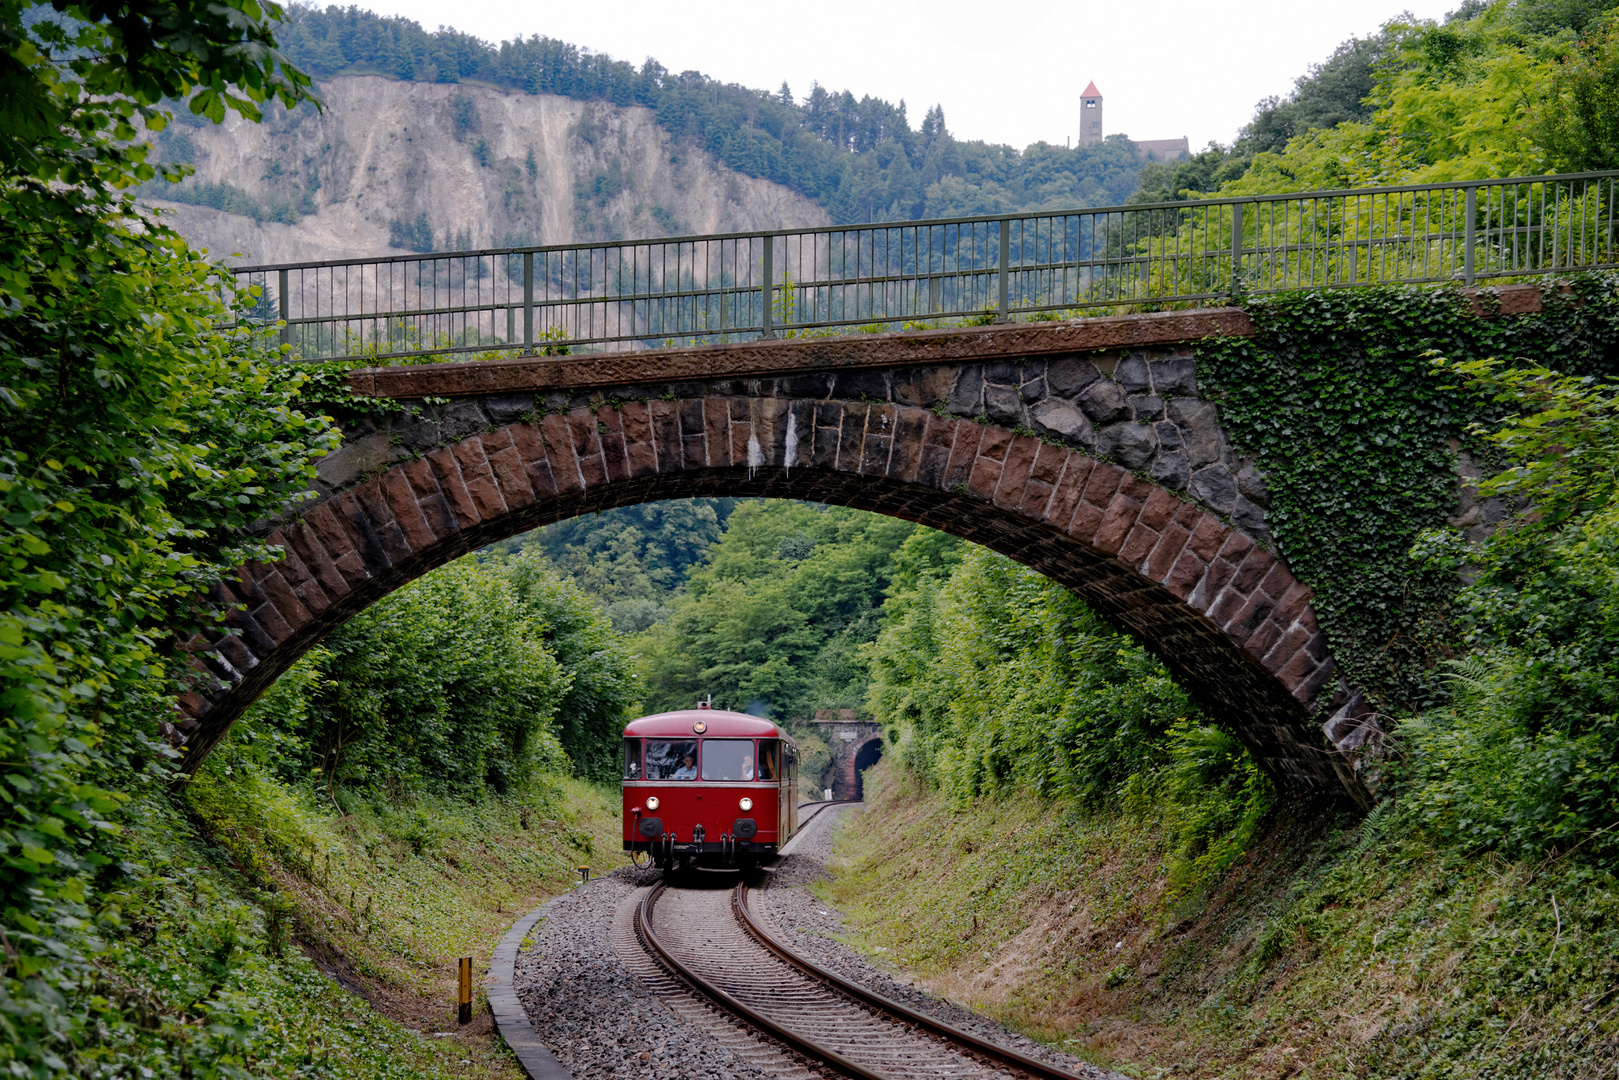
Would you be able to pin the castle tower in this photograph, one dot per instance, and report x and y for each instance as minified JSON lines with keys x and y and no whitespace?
{"x":1090,"y":114}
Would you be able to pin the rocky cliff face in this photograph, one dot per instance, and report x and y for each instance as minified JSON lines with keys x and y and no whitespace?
{"x":392,"y":166}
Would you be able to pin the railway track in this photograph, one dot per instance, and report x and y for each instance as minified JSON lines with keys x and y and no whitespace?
{"x":711,"y":940}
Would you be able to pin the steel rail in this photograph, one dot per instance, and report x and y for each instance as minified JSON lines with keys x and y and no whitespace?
{"x":807,"y":1047}
{"x":1002,"y":1054}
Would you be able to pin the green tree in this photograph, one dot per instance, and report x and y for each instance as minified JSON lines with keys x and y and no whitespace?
{"x":1578,"y":120}
{"x":136,"y":443}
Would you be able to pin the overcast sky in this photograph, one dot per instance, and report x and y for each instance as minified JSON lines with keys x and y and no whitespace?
{"x":1005,"y":70}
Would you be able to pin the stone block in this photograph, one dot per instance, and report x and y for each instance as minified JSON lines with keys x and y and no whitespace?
{"x":1068,"y":488}
{"x":479,"y":478}
{"x":1104,"y":402}
{"x":615,"y":453}
{"x":1036,"y":498}
{"x":994,"y":442}
{"x":1184,"y":576}
{"x":1312,"y":683}
{"x":716,"y":432}
{"x":1214,"y":486}
{"x":665,"y":440}
{"x":1171,"y":470}
{"x":1159,"y":509}
{"x":1262,"y":639}
{"x":1171,"y":543}
{"x":984,"y":478}
{"x":910,"y":433}
{"x":1116,"y":524}
{"x":1016,"y":468}
{"x":1146,"y":408}
{"x":1131,"y":373}
{"x":922,"y":387}
{"x":1103,"y":484}
{"x":967,"y":396}
{"x":1068,"y":375}
{"x":1292,"y":603}
{"x":402,"y":500}
{"x":1003,"y":405}
{"x":1249,"y":518}
{"x":962,"y":454}
{"x":1138,"y":544}
{"x":1057,"y":417}
{"x":1248,"y":618}
{"x":1208,"y":536}
{"x":1255,"y":565}
{"x":1173,"y":376}
{"x":1130,"y":444}
{"x":367,"y":510}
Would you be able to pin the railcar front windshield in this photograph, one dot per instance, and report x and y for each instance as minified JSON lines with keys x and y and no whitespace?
{"x":632,"y":759}
{"x":671,"y":759}
{"x":727,"y":759}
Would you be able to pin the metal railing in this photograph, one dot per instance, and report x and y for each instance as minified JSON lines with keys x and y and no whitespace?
{"x":710,"y":289}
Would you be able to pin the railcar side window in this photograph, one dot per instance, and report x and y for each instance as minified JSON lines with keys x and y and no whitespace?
{"x":727,"y":759}
{"x":671,"y":759}
{"x":632,"y":759}
{"x":769,"y":758}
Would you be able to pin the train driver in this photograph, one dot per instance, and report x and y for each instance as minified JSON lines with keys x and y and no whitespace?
{"x":687,"y":769}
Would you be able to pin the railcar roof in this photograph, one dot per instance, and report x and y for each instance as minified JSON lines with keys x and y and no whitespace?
{"x":718,"y":722}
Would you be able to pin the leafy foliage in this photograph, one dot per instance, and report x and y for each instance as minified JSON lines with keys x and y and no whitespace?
{"x":1526,"y":758}
{"x":634,"y":558}
{"x":1353,"y":428}
{"x":774,"y":619}
{"x":474,"y":678}
{"x":1504,"y":88}
{"x":136,"y":442}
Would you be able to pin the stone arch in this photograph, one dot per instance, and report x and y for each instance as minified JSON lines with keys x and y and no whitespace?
{"x":1225,"y":615}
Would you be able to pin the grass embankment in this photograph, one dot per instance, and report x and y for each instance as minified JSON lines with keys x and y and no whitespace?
{"x":1335,"y":947}
{"x":339,"y":931}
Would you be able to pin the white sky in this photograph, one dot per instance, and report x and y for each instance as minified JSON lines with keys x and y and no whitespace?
{"x":1005,"y":70}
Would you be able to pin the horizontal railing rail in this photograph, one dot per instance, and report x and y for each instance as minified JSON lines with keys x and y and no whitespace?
{"x":716,"y":288}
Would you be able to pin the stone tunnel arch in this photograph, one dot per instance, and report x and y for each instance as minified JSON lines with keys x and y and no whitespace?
{"x":1225,"y":615}
{"x":866,"y":755}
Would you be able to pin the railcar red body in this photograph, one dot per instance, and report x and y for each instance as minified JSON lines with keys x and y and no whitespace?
{"x":708,"y":787}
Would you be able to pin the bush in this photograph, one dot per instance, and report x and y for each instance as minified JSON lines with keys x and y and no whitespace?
{"x":1526,"y":757}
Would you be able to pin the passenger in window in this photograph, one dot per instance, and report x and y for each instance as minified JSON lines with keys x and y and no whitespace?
{"x":687,"y":769}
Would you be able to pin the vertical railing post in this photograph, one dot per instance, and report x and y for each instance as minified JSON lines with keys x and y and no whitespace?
{"x":286,"y":310}
{"x":1468,"y":238}
{"x":528,"y":302}
{"x":766,"y":290}
{"x":1002,"y":305}
{"x":1236,"y":247}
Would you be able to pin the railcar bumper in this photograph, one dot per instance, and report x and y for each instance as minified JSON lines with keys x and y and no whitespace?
{"x":707,"y":847}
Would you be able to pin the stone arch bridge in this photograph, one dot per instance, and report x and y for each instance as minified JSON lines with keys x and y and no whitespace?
{"x":1082,"y":449}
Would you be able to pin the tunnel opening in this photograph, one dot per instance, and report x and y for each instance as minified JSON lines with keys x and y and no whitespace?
{"x":868,"y":755}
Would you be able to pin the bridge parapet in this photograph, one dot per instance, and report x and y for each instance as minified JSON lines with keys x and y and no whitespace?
{"x":636,"y":294}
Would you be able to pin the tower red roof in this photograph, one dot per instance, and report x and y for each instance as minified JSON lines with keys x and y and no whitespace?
{"x":1091,"y":90}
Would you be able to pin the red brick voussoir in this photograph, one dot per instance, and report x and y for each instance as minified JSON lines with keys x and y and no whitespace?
{"x":1225,"y":614}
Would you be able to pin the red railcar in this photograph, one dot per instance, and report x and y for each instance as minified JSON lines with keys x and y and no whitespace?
{"x":708,"y":787}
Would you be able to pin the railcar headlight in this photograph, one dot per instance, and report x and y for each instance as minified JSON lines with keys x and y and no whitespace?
{"x":651,"y":802}
{"x":746,"y":803}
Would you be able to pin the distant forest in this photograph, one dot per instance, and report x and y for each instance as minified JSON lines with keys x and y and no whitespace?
{"x":859,"y":158}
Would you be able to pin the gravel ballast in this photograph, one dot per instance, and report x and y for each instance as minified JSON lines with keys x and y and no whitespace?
{"x":604,"y":1014}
